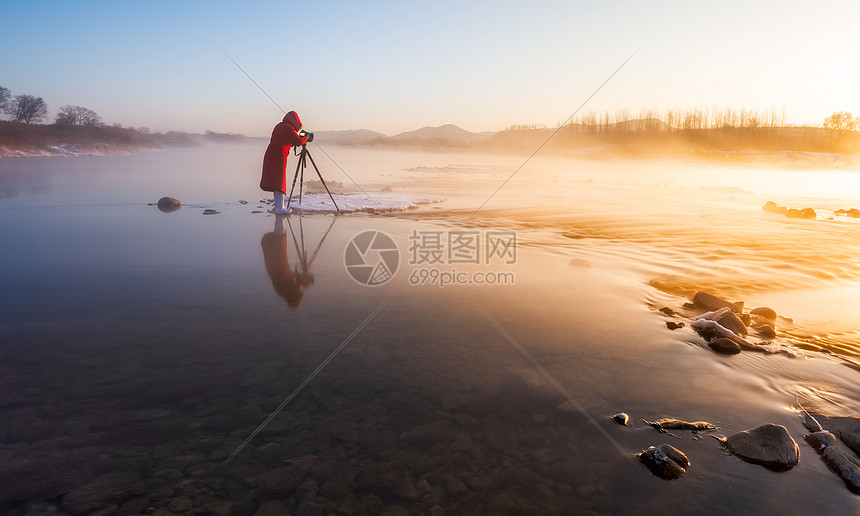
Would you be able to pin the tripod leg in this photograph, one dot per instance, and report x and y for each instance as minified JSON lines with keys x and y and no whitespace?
{"x":302,"y":178}
{"x":295,"y":176}
{"x":323,"y":182}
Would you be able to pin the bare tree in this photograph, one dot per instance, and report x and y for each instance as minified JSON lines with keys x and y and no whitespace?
{"x":839,"y":124}
{"x":27,"y":109}
{"x":4,"y":98}
{"x":77,"y":115}
{"x":841,"y":121}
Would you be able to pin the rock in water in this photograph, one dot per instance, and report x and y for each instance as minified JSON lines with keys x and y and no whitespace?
{"x":768,"y":445}
{"x":579,"y":263}
{"x":846,"y":428}
{"x":665,"y":461}
{"x":110,"y":488}
{"x":772,"y":207}
{"x":763,"y":311}
{"x":712,"y":302}
{"x":765,"y":331}
{"x":621,"y":418}
{"x":805,"y":213}
{"x":725,"y":346}
{"x":670,"y":423}
{"x":167,"y":204}
{"x":838,"y":457}
{"x":733,"y":322}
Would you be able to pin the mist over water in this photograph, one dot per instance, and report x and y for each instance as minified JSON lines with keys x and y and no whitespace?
{"x":165,"y":339}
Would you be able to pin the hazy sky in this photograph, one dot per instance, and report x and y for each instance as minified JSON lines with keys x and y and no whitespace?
{"x":398,"y":66}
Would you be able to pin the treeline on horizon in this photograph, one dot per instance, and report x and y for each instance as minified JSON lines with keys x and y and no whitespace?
{"x":669,"y":132}
{"x":77,"y":128}
{"x":36,"y":137}
{"x":697,"y":130}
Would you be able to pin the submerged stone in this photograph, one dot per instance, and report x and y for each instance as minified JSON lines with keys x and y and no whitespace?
{"x":110,"y":488}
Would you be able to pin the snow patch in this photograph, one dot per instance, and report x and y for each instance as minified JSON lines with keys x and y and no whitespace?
{"x":375,"y":202}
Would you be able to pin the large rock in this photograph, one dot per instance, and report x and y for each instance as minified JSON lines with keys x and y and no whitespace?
{"x":665,"y":461}
{"x":711,"y":302}
{"x":768,"y":445}
{"x":838,"y":457}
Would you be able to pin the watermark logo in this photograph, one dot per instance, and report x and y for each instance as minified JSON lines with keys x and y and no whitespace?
{"x":371,"y":258}
{"x":435,"y":254}
{"x":436,"y":247}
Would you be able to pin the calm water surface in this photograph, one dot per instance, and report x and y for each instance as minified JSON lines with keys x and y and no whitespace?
{"x":139,"y":350}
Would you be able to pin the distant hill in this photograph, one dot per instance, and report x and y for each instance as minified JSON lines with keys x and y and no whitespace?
{"x":349,"y":136}
{"x":447,"y":132}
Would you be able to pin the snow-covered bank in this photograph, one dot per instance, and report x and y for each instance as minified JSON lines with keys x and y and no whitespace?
{"x":374,"y":201}
{"x":71,"y":150}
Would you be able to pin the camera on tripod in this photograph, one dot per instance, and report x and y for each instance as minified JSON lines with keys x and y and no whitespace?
{"x":305,"y":155}
{"x":306,"y":134}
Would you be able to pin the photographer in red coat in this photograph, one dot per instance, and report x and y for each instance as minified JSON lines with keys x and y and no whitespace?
{"x":284,"y":136}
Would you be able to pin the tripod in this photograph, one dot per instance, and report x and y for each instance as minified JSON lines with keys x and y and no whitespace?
{"x":300,"y":171}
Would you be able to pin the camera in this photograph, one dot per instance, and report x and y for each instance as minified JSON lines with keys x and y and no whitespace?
{"x":306,"y":134}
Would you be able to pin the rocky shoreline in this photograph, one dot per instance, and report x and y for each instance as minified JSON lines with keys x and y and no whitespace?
{"x":725,"y":328}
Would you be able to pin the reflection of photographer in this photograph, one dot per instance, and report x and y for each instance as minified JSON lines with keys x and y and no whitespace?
{"x":287,"y":283}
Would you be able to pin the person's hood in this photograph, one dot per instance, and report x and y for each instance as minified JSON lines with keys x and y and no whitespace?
{"x":292,"y":119}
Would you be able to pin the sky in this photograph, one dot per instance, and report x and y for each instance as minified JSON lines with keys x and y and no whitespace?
{"x":398,"y":66}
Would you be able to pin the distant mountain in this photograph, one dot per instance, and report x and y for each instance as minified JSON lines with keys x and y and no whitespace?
{"x":448,"y":132}
{"x":349,"y":136}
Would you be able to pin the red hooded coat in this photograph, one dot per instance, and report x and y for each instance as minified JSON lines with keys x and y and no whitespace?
{"x":284,"y":136}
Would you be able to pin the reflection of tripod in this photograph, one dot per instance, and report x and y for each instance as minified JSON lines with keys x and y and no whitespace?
{"x":300,"y":171}
{"x":305,"y":275}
